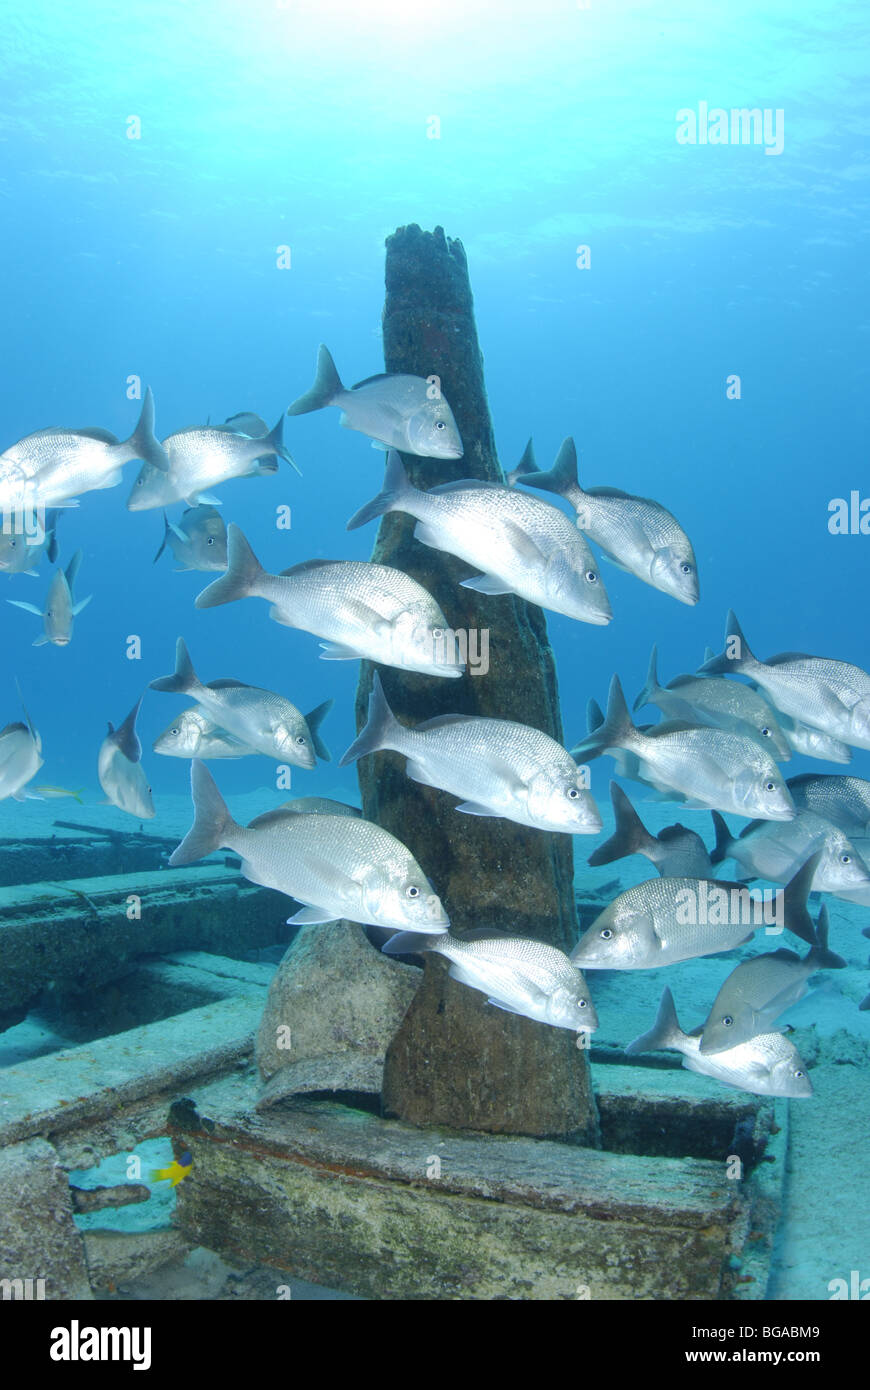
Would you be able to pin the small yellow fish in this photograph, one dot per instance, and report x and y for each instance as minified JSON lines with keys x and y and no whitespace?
{"x":176,"y":1172}
{"x":55,"y":793}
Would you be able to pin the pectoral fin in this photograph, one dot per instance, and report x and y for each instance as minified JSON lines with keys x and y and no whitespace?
{"x":487,"y":584}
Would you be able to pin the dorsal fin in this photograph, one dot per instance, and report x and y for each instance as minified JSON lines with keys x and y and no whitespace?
{"x":305,"y":565}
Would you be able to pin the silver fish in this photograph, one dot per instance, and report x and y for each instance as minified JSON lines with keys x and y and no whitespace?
{"x":767,"y":1065}
{"x":675,"y":851}
{"x":766,"y":849}
{"x":307,"y":806}
{"x":245,"y":422}
{"x":635,"y":533}
{"x":800,"y":737}
{"x":120,"y":770}
{"x":833,"y":696}
{"x":523,"y":545}
{"x":758,"y":990}
{"x":198,"y":541}
{"x":843,"y":800}
{"x":337,"y":865}
{"x":497,"y":767}
{"x":52,"y":466}
{"x":193,"y":734}
{"x":707,"y":767}
{"x":813,"y":743}
{"x":259,"y":718}
{"x":60,"y":606}
{"x":200,"y":457}
{"x":22,"y":550}
{"x":714,"y":700}
{"x":518,"y":974}
{"x":398,"y":411}
{"x":20,"y":758}
{"x":666,"y":920}
{"x":362,"y":609}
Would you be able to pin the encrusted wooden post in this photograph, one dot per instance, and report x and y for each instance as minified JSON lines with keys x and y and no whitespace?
{"x":455,"y":1059}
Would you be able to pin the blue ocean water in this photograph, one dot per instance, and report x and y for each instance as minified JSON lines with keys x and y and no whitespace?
{"x":529,"y":132}
{"x":306,"y":125}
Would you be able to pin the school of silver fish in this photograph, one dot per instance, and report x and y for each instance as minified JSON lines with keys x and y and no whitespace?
{"x":717,"y":747}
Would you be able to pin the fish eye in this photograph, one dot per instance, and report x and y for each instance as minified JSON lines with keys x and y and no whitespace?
{"x":591,"y":577}
{"x":573,"y":793}
{"x":174,"y":732}
{"x":413,"y":891}
{"x":606,"y":934}
{"x":765,"y":733}
{"x":210,"y":540}
{"x":301,"y":739}
{"x":582,"y":1003}
{"x":771,"y":786}
{"x":686,"y":568}
{"x":798,"y":1073}
{"x":846,"y":859}
{"x":727,"y":1021}
{"x":439,"y":425}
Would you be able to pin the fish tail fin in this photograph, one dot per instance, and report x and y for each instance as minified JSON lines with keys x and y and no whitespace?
{"x":665,"y":1032}
{"x":525,"y":466}
{"x":314,"y":721}
{"x":616,"y":728}
{"x":379,"y":730}
{"x":73,"y":568}
{"x":51,"y":517}
{"x":165,"y":539}
{"x":143,"y":443}
{"x":275,"y":440}
{"x":796,"y":915}
{"x":410,"y":943}
{"x":652,"y":687}
{"x":397,"y":484}
{"x":212,"y":821}
{"x":737,"y":655}
{"x":630,"y":835}
{"x":820,"y":954}
{"x":561,"y":478}
{"x":724,"y":839}
{"x":327,"y":385}
{"x":242,"y":574}
{"x":126,"y":737}
{"x":184,"y":680}
{"x":594,"y":720}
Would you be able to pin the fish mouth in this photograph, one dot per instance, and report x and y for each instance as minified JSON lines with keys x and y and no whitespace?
{"x":306,"y":760}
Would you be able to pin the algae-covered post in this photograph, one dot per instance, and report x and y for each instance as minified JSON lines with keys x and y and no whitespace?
{"x":455,"y":1059}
